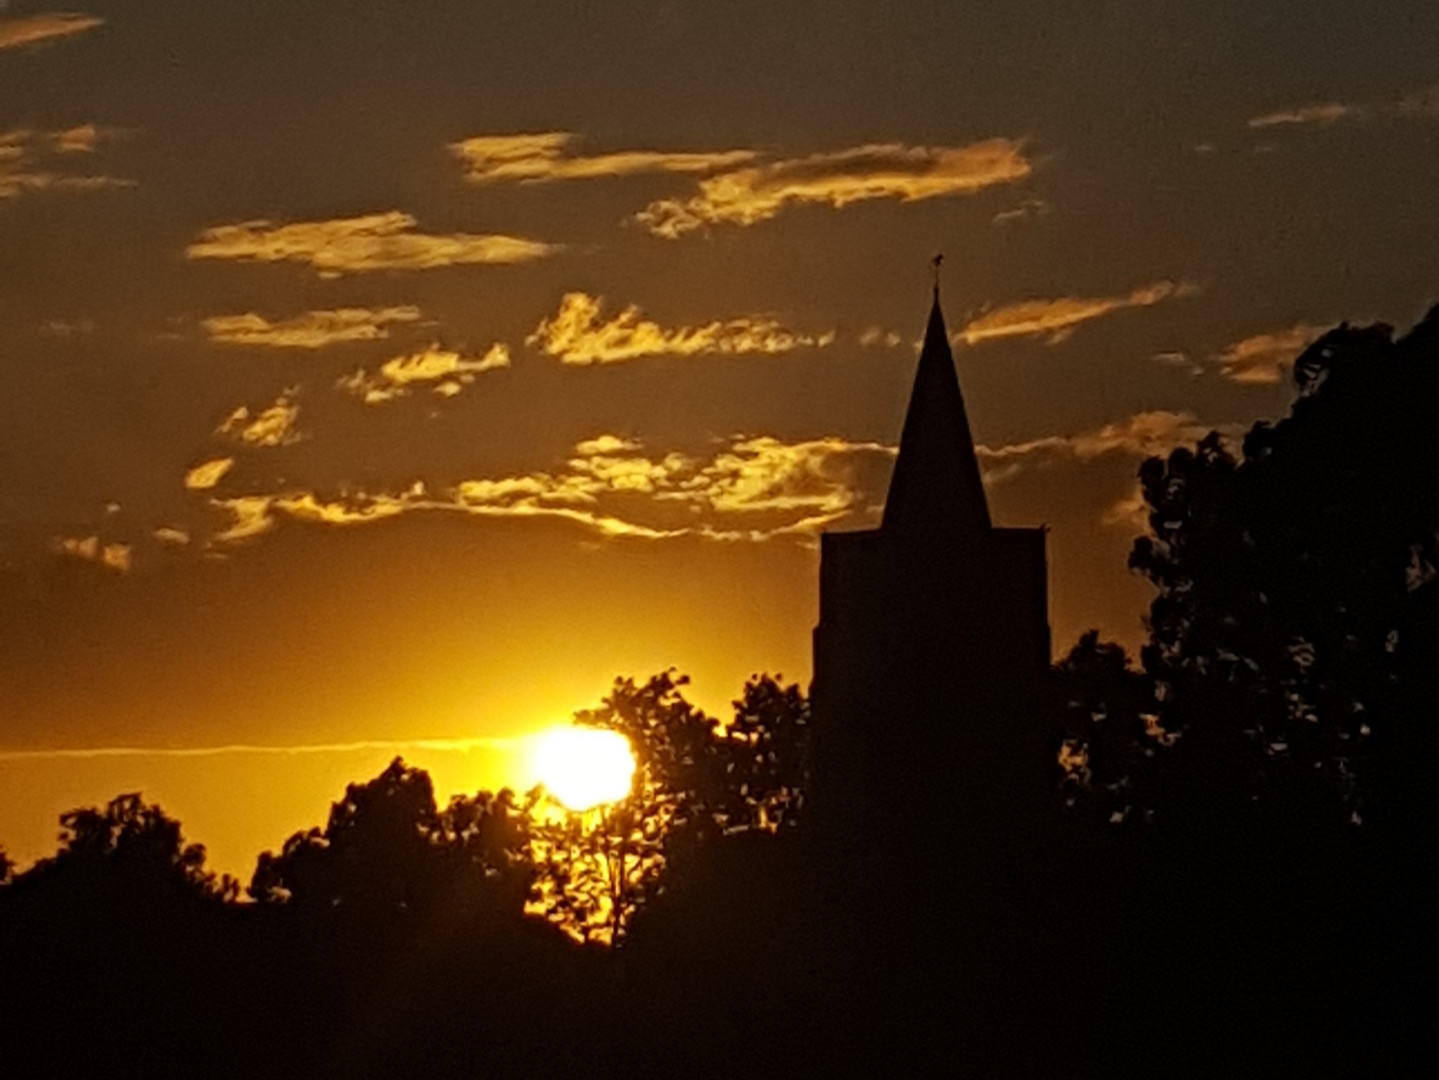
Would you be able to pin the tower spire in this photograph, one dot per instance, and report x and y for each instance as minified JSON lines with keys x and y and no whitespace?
{"x":936,"y":488}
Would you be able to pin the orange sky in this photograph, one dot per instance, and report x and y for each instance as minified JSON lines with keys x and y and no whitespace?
{"x":383,"y":373}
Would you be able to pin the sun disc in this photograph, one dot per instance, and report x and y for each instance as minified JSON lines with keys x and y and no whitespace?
{"x":584,"y":767}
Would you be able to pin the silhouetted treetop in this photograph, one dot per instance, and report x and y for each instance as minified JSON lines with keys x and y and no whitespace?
{"x":1296,"y":626}
{"x":387,"y":847}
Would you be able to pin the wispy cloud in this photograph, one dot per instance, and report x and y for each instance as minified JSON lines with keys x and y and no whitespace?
{"x":1319,"y":115}
{"x":1027,"y":210}
{"x":90,"y":549}
{"x":1416,"y":104}
{"x":838,"y":179}
{"x":581,"y":334}
{"x":312,"y":330}
{"x":446,"y":371}
{"x":33,"y":29}
{"x":1057,"y":318}
{"x":546,"y":156}
{"x":749,"y":489}
{"x":819,"y":476}
{"x":34,"y":161}
{"x":387,"y":241}
{"x":1262,"y":359}
{"x":389,"y":746}
{"x":207,"y":474}
{"x":274,"y":425}
{"x":1421,"y":103}
{"x":1141,"y":435}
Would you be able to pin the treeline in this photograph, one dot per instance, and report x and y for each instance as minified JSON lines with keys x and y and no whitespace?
{"x":1237,"y":875}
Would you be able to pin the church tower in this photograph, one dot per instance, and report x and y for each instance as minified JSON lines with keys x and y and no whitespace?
{"x":930,"y":659}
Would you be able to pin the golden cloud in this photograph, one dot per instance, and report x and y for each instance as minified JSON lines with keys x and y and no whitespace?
{"x":207,"y":474}
{"x":168,"y":534}
{"x":76,"y":140}
{"x":25,"y":164}
{"x":1130,"y":512}
{"x":312,"y":330}
{"x":1261,"y":360}
{"x":605,"y":444}
{"x":543,"y":157}
{"x":821,"y":476}
{"x":877,"y":171}
{"x":356,"y":245}
{"x":111,"y":556}
{"x":33,"y":29}
{"x":1057,"y":318}
{"x":250,"y":517}
{"x":1146,"y":434}
{"x":608,"y":485}
{"x":272,"y":426}
{"x":1322,"y":115}
{"x":579,"y":334}
{"x":449,"y":371}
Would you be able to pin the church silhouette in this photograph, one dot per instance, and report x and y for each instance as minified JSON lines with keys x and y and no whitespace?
{"x":933,"y":640}
{"x":928,"y":779}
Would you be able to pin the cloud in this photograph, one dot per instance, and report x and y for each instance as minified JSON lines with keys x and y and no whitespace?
{"x":482,"y":742}
{"x":1261,"y":360}
{"x":1421,"y":103}
{"x":605,"y":444}
{"x":543,"y":157}
{"x":1129,"y":512}
{"x":879,"y":337}
{"x":33,"y":29}
{"x":272,"y":426}
{"x":206,"y":475}
{"x":1178,"y":359}
{"x":312,"y":330}
{"x":1321,"y":115}
{"x":356,"y":245}
{"x":579,"y":334}
{"x":750,"y":489}
{"x":89,"y":549}
{"x":249,"y":517}
{"x":1146,"y":434}
{"x":68,"y":328}
{"x":1057,"y":318}
{"x":77,"y":140}
{"x":820,"y":476}
{"x":28,"y":162}
{"x":175,"y":537}
{"x":757,"y":193}
{"x":1027,"y":210}
{"x":448,"y":371}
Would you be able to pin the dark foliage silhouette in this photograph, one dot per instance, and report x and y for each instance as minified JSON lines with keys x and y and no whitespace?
{"x":694,"y":785}
{"x":388,"y":850}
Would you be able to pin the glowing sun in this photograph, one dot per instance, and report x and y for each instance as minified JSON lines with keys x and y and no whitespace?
{"x":584,"y":767}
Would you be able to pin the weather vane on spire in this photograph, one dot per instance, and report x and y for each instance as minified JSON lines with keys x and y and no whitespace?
{"x":935,"y":263}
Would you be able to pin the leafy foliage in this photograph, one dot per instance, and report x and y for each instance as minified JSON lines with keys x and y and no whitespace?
{"x":1296,"y":621}
{"x":387,"y":848}
{"x":694,"y":784}
{"x":130,"y":847}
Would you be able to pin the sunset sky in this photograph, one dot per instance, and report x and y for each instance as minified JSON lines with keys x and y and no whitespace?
{"x":386,"y":377}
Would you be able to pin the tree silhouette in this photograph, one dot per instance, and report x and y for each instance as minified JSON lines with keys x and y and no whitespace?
{"x":388,"y":849}
{"x":1296,"y":624}
{"x":694,"y":784}
{"x":130,"y":847}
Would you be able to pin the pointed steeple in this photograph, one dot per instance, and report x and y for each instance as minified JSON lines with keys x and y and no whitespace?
{"x":936,"y":489}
